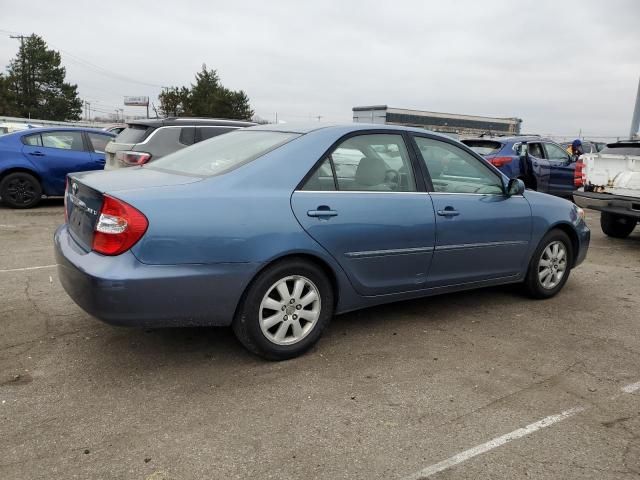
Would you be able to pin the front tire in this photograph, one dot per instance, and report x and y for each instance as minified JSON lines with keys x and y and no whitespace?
{"x":20,"y":190}
{"x":285,"y":310}
{"x":550,"y":265}
{"x":617,"y":226}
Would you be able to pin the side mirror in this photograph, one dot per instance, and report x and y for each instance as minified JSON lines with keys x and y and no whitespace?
{"x":515,"y":187}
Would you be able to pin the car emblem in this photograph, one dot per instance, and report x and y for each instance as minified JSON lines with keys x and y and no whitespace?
{"x":74,"y":188}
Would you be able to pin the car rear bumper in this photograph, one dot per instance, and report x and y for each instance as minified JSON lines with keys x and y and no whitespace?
{"x":122,"y":290}
{"x":606,"y":202}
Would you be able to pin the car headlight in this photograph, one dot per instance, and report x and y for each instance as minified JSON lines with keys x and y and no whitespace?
{"x":580,"y":213}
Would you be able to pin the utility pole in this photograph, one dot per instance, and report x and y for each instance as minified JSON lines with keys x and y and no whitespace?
{"x":276,"y":118}
{"x":635,"y":121}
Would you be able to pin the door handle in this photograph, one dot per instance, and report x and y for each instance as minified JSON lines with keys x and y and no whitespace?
{"x":448,"y":212}
{"x":37,"y":154}
{"x":322,"y":211}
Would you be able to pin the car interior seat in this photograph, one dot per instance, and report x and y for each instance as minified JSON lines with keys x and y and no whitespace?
{"x":370,"y":174}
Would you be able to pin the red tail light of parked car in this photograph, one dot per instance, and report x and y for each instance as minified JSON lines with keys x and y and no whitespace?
{"x":119,"y":227}
{"x":578,"y":174}
{"x":500,"y":161}
{"x":133,"y":158}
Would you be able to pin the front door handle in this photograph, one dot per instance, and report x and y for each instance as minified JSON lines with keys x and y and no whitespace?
{"x":37,"y":154}
{"x":322,"y":211}
{"x":448,"y":212}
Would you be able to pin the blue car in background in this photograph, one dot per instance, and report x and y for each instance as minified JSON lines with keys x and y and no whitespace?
{"x":540,"y":163}
{"x":35,"y":162}
{"x":274,"y":229}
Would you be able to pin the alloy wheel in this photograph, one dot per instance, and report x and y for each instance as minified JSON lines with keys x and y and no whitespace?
{"x":290,"y":310}
{"x":552,"y":265}
{"x":21,"y":191}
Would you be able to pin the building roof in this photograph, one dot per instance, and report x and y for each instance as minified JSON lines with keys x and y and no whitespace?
{"x":424,"y":113}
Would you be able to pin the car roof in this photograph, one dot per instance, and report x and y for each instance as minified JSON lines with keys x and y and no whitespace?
{"x":308,"y":127}
{"x":187,"y":121}
{"x":514,"y":138}
{"x":61,"y":129}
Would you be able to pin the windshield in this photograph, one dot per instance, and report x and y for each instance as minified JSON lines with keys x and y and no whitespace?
{"x":223,"y":153}
{"x":483,"y":147}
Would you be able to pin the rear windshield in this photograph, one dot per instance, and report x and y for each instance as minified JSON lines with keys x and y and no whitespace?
{"x":483,"y":147}
{"x":622,"y":149}
{"x":222,"y":153}
{"x":133,"y":134}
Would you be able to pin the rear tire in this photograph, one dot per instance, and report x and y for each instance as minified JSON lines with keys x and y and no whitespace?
{"x":279,"y":326}
{"x":617,"y":226}
{"x":549,"y":266}
{"x":20,"y":190}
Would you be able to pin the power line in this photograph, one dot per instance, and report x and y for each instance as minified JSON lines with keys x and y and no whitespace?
{"x":92,"y":66}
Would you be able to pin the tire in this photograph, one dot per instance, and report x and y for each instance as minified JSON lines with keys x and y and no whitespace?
{"x":617,"y":226}
{"x":290,"y":328}
{"x":539,"y":285}
{"x":20,"y":190}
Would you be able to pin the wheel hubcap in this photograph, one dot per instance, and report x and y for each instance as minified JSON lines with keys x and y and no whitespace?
{"x":290,"y":310}
{"x":552,"y":265}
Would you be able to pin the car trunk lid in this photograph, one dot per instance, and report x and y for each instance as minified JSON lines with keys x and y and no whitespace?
{"x":86,"y":190}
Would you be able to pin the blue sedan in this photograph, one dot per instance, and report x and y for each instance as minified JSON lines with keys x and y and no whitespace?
{"x":35,"y":162}
{"x":274,"y":229}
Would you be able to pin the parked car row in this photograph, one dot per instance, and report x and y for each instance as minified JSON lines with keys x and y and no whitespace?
{"x":34,"y":162}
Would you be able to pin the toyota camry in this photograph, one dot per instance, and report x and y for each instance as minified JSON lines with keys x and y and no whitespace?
{"x":275,"y":229}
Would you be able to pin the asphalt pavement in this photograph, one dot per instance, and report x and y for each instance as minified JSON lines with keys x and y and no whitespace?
{"x":482,"y":384}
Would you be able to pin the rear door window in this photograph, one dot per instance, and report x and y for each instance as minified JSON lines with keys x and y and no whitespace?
{"x":134,"y":134}
{"x":368,"y":162}
{"x":63,"y":140}
{"x":34,"y":140}
{"x":205,"y":133}
{"x":187,"y":135}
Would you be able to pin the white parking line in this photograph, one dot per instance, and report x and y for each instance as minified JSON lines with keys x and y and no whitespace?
{"x":28,"y":268}
{"x":633,"y":387}
{"x":491,"y":444}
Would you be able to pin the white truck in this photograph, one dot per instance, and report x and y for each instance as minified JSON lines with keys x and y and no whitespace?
{"x":611,"y":180}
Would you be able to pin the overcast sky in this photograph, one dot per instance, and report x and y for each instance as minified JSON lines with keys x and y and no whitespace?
{"x":561,"y":66}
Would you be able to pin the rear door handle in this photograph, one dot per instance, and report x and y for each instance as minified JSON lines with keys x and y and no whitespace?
{"x":37,"y":154}
{"x":322,"y":211}
{"x":448,"y":212}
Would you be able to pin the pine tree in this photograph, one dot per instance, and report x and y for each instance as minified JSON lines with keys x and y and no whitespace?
{"x":207,"y":97}
{"x":35,"y":85}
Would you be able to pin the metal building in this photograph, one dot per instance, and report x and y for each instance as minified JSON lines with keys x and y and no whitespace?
{"x":451,"y":123}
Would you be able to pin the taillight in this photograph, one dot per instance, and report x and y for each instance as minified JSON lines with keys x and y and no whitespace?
{"x":133,"y":158}
{"x":500,"y":161}
{"x":578,"y":174}
{"x":119,"y":227}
